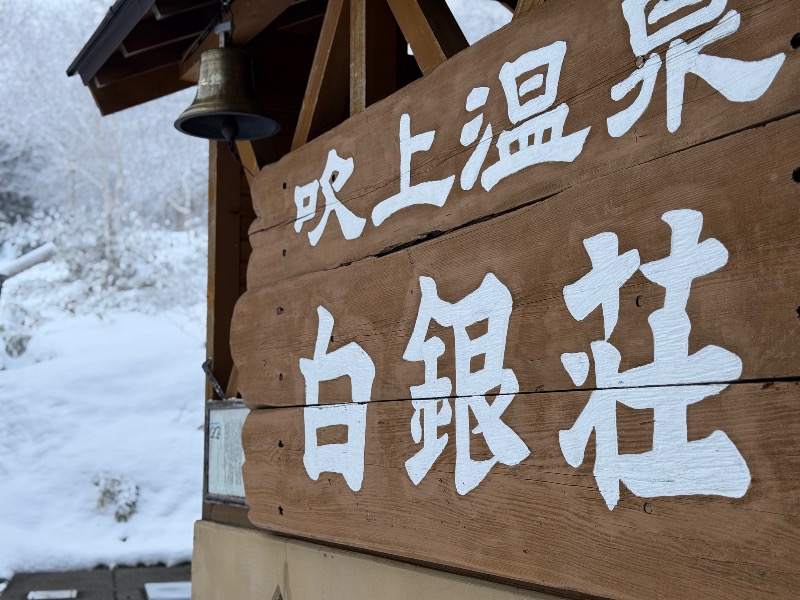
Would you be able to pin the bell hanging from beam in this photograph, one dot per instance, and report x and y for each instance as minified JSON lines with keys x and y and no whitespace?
{"x":225,"y":107}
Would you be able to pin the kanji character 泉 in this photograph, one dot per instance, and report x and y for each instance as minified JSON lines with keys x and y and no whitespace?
{"x":337,"y":172}
{"x":541,"y":119}
{"x":346,"y":458}
{"x":427,"y":192}
{"x":491,"y":302}
{"x":675,"y":466}
{"x":737,"y":80}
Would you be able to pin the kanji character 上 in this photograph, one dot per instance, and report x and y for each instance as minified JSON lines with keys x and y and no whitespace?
{"x":433,"y":192}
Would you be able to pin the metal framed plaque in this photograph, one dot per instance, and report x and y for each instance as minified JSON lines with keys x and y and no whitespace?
{"x":222,"y":482}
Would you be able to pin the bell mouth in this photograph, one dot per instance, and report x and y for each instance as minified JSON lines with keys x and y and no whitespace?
{"x":209,"y":125}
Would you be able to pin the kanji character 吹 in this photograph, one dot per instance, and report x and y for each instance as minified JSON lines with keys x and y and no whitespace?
{"x":346,"y":458}
{"x":492,"y":303}
{"x":428,"y":192}
{"x":559,"y":147}
{"x":337,"y":172}
{"x":737,"y":80}
{"x":675,"y":465}
{"x":470,"y":132}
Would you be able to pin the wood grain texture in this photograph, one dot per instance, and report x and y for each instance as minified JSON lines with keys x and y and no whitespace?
{"x":598,"y":56}
{"x":543,"y":523}
{"x":748,"y":307}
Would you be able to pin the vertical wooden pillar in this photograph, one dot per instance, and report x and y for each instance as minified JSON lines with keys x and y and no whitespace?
{"x":373,"y":75}
{"x":224,"y":215}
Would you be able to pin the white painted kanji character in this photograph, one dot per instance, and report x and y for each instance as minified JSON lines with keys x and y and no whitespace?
{"x":491,"y":303}
{"x":534,"y":117}
{"x":433,"y":192}
{"x":668,"y":385}
{"x":346,"y":458}
{"x":336,"y":173}
{"x":737,"y":80}
{"x":599,"y":287}
{"x":470,"y":132}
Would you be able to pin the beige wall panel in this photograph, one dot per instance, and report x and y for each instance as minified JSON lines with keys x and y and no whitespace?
{"x":239,"y":564}
{"x":230,"y":563}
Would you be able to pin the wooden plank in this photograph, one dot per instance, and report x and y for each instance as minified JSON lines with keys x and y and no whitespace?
{"x":543,"y":522}
{"x":136,"y":90}
{"x":152,"y":33}
{"x":748,"y":307}
{"x":224,"y":208}
{"x":238,"y":564}
{"x":119,"y":68}
{"x":431,"y":30}
{"x":437,"y":103}
{"x":373,"y":75}
{"x":164,"y":9}
{"x":327,"y":79}
{"x":524,"y":6}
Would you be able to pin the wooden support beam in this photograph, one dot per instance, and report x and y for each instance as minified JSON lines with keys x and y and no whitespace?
{"x":251,"y":166}
{"x":251,"y":18}
{"x":151,"y":33}
{"x":249,"y":160}
{"x":524,"y":7}
{"x":431,"y":30}
{"x":328,"y":80}
{"x":373,"y":75}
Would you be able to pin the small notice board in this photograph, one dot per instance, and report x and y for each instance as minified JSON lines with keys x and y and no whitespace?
{"x":224,"y":456}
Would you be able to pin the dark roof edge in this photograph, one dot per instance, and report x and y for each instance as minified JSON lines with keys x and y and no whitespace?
{"x":119,"y":21}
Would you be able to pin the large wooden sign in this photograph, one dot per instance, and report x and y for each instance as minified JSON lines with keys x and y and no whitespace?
{"x":535,"y":316}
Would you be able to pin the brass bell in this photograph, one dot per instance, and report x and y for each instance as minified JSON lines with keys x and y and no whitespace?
{"x":225,"y":107}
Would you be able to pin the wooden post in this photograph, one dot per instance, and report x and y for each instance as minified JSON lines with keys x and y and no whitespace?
{"x":224,"y":198}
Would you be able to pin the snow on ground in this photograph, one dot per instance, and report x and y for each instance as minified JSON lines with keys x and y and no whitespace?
{"x":101,"y":442}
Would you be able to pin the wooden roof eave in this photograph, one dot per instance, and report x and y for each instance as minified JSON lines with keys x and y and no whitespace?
{"x":134,"y":56}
